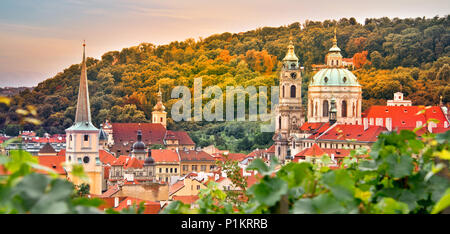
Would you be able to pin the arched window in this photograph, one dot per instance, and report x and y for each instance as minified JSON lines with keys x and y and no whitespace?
{"x":279,"y":122}
{"x":325,"y":108}
{"x":293,"y":90}
{"x":283,"y":90}
{"x":312,"y":108}
{"x":279,"y":150}
{"x":332,"y":62}
{"x":292,"y":65}
{"x":344,"y":108}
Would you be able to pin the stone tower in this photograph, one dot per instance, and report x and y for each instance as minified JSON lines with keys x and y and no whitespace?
{"x":289,"y":112}
{"x":82,"y":141}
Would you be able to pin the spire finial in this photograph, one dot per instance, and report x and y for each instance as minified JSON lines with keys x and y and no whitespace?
{"x":334,"y":39}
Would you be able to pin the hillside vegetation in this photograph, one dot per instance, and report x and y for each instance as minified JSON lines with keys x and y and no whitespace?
{"x":411,"y":55}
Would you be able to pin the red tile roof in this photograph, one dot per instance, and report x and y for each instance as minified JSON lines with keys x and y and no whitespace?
{"x":194,"y":155}
{"x":183,"y":138}
{"x":47,"y":149}
{"x":314,"y":150}
{"x":186,"y":199}
{"x":233,"y":157}
{"x":106,"y":157}
{"x":353,"y":132}
{"x":111,"y":191}
{"x":271,"y":149}
{"x":53,"y":162}
{"x":175,"y":187}
{"x":151,"y":207}
{"x":165,"y":155}
{"x":406,"y":116}
{"x":61,"y":152}
{"x":128,"y":162}
{"x":152,"y":134}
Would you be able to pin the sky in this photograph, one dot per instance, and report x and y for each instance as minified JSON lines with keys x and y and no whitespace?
{"x":39,"y":38}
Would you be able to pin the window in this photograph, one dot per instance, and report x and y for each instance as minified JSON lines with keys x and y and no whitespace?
{"x":167,"y":170}
{"x":86,"y":159}
{"x":70,"y":158}
{"x":283,"y":90}
{"x":194,"y":167}
{"x":211,"y":167}
{"x":175,"y":170}
{"x":344,"y":108}
{"x":293,"y":90}
{"x":325,"y":108}
{"x":97,"y":161}
{"x":171,"y":170}
{"x":86,"y":137}
{"x":198,"y":187}
{"x":279,"y":122}
{"x":292,"y":65}
{"x":203,"y":167}
{"x":185,"y":167}
{"x":161,"y":119}
{"x":160,"y":170}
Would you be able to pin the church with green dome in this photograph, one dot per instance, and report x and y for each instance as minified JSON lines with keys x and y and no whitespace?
{"x":334,"y":83}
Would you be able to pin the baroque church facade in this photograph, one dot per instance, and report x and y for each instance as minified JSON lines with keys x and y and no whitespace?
{"x":334,"y":123}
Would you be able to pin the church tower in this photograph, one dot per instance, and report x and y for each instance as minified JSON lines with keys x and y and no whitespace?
{"x":289,"y":115}
{"x":82,"y":141}
{"x":158,"y":113}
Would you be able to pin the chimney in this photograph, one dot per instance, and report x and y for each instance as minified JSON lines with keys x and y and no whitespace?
{"x":116,"y":202}
{"x":366,"y":124}
{"x":431,"y":125}
{"x":389,"y":124}
{"x":418,"y":124}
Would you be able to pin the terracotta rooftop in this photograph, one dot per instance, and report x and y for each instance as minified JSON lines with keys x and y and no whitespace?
{"x":165,"y":155}
{"x":47,"y":149}
{"x":186,"y":199}
{"x":406,"y":116}
{"x":53,"y":162}
{"x":194,"y":155}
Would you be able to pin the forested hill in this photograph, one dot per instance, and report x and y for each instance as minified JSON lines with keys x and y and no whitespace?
{"x":411,"y":55}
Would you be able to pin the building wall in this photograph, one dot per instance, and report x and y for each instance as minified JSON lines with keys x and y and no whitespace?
{"x":198,"y":165}
{"x":150,"y":192}
{"x":191,"y":187}
{"x":165,"y":176}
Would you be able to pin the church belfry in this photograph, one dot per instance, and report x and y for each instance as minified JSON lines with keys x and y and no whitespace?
{"x":82,"y":139}
{"x":289,"y":112}
{"x":159,"y":115}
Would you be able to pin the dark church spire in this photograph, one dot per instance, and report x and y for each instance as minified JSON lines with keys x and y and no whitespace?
{"x":83,"y":113}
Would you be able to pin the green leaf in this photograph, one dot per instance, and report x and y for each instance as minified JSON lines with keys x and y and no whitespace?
{"x":322,"y":204}
{"x":399,"y":166}
{"x":443,"y":203}
{"x":269,"y":190}
{"x":390,"y":206}
{"x":340,"y":183}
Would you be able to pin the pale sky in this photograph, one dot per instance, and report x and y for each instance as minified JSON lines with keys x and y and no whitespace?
{"x":39,"y":38}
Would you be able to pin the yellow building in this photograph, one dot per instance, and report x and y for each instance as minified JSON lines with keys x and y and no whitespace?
{"x":158,"y":113}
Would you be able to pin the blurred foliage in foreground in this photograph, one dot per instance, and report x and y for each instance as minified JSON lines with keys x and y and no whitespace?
{"x":403,"y":175}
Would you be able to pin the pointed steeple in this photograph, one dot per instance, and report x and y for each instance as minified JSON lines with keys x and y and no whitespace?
{"x":83,"y":113}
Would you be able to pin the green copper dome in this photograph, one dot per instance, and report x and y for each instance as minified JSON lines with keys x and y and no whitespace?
{"x":334,"y":77}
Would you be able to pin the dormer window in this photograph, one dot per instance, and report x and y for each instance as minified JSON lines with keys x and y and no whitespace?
{"x":86,"y":137}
